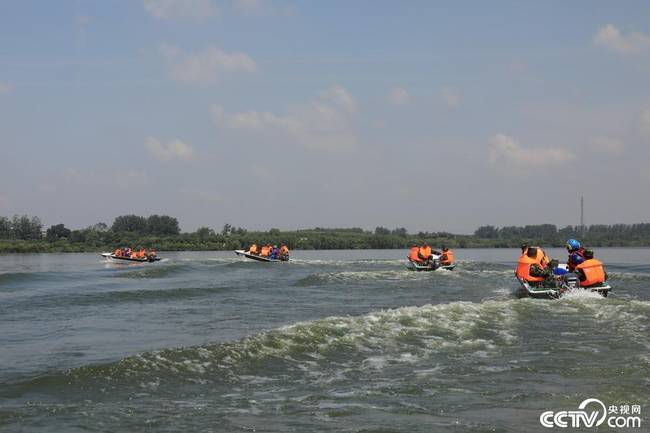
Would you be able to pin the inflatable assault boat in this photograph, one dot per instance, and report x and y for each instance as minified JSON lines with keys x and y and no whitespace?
{"x":564,"y":283}
{"x":111,"y":256}
{"x":258,"y":258}
{"x":433,"y":265}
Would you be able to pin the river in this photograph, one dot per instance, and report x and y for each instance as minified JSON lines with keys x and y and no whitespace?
{"x":333,"y":341}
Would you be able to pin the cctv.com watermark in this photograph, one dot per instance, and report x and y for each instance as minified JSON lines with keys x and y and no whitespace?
{"x":593,"y":413}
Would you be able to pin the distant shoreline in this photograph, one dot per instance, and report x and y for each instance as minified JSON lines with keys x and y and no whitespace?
{"x":24,"y":234}
{"x":41,"y":247}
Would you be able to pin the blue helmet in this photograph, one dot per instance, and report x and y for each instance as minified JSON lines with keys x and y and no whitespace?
{"x":572,"y":244}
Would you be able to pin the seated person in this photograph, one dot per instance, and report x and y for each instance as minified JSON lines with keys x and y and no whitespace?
{"x":447,"y":256}
{"x":414,"y":254}
{"x":253,"y":249}
{"x":424,"y":253}
{"x":591,"y":272}
{"x":576,"y":254}
{"x":265,"y":251}
{"x":529,"y":269}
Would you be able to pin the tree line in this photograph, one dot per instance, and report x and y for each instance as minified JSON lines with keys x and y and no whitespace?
{"x":549,"y":234}
{"x":162,"y":232}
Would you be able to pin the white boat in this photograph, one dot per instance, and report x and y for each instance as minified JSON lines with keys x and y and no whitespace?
{"x":434,"y":264}
{"x":257,"y":257}
{"x":111,"y":256}
{"x":564,"y":284}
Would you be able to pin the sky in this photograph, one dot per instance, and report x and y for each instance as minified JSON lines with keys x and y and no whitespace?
{"x":429,"y":115}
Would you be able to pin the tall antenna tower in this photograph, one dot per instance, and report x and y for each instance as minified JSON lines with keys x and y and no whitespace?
{"x":582,"y":215}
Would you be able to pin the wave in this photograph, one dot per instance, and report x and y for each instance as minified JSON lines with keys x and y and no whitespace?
{"x":125,"y":296}
{"x":399,"y":335}
{"x":456,"y":332}
{"x":355,"y":276}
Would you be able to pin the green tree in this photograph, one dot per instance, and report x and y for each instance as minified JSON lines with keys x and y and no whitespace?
{"x":204,"y":233}
{"x":56,"y":232}
{"x":25,"y":228}
{"x":162,"y":225}
{"x":487,"y":232}
{"x":129,"y":223}
{"x":5,"y":228}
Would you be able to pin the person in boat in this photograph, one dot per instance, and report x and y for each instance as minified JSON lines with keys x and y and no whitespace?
{"x":414,"y":254}
{"x":576,"y":254}
{"x":265,"y":251}
{"x":591,"y":272}
{"x":142,"y":254}
{"x":529,"y":269}
{"x":447,"y":256}
{"x":542,"y":257}
{"x":253,"y":249}
{"x":284,"y":252}
{"x":424,"y":253}
{"x":550,"y":272}
{"x":275,"y":252}
{"x":118,"y":252}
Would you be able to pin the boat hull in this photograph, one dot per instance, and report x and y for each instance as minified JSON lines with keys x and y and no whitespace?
{"x":118,"y":259}
{"x":433,"y":266}
{"x":557,"y":292}
{"x":258,"y":258}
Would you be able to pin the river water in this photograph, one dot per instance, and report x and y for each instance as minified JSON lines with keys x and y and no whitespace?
{"x":340,"y":341}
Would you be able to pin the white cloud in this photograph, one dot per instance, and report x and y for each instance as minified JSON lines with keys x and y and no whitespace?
{"x":611,"y":37}
{"x":180,"y":9}
{"x":399,"y":96}
{"x":322,"y":124}
{"x":341,"y":97}
{"x":172,"y":150}
{"x":451,"y":98}
{"x":505,"y":148}
{"x":251,"y":7}
{"x":645,"y":122}
{"x":6,"y":88}
{"x":608,"y":145}
{"x":206,"y":66}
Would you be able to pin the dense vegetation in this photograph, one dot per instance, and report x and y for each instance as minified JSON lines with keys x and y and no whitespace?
{"x":162,"y":232}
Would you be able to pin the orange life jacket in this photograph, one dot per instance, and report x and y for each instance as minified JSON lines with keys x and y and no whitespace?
{"x":284,"y":249}
{"x":253,"y":249}
{"x":413,"y":254}
{"x":142,"y":253}
{"x":425,"y":252}
{"x":118,"y":253}
{"x":266,"y":250}
{"x":593,"y":271}
{"x":523,"y":269}
{"x":447,"y":258}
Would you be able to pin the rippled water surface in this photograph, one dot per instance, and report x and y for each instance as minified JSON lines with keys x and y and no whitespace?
{"x":333,"y":341}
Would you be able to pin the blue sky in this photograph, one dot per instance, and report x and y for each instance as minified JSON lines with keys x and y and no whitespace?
{"x":428,"y":115}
